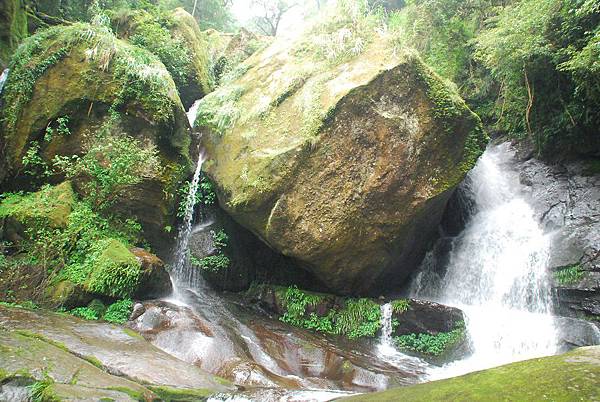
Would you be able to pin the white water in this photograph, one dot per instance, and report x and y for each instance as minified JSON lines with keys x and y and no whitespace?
{"x":497,"y":273}
{"x":182,"y":273}
{"x":3,"y":79}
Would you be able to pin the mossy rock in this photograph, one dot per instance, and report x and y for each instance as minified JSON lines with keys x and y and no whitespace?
{"x":48,"y":208}
{"x":571,"y":376}
{"x":13,"y":28}
{"x":177,"y":41}
{"x":84,"y":73}
{"x":344,"y":163}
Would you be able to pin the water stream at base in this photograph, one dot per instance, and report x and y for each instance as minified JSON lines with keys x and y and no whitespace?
{"x":496,"y":272}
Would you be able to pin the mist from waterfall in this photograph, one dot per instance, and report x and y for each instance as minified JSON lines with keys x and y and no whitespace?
{"x":496,"y":272}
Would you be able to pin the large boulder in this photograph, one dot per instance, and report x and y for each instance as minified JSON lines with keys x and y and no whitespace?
{"x":339,"y":153}
{"x":175,"y":38}
{"x":79,"y":91}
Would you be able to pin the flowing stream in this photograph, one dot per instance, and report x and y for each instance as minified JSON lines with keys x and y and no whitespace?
{"x":496,"y":272}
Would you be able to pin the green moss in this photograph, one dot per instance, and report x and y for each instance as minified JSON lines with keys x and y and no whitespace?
{"x":49,"y":207}
{"x":42,"y":338}
{"x":135,"y":395}
{"x":115,"y":270}
{"x":13,"y":28}
{"x":133,"y":334}
{"x":572,"y":376}
{"x":169,"y":394}
{"x":93,"y":360}
{"x":219,"y":110}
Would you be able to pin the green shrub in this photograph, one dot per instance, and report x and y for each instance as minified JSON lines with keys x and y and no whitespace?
{"x":400,"y":305}
{"x":432,"y":345}
{"x":85,"y":313}
{"x":358,"y":318}
{"x":119,"y":311}
{"x":569,"y":275}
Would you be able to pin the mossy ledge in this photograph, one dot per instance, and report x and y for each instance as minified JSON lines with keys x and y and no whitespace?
{"x":571,"y":376}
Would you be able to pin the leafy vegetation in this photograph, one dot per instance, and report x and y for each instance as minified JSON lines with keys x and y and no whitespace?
{"x":217,"y":262}
{"x":119,"y":311}
{"x":358,"y":318}
{"x":428,"y":344}
{"x":526,"y":67}
{"x":205,"y":195}
{"x":569,"y":275}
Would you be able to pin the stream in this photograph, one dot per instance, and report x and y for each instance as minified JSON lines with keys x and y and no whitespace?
{"x":495,"y":272}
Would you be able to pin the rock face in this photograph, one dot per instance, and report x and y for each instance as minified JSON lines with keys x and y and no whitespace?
{"x":554,"y":378}
{"x":107,"y":92}
{"x":13,"y":28}
{"x":79,"y":360}
{"x":344,"y":164}
{"x":566,"y":198}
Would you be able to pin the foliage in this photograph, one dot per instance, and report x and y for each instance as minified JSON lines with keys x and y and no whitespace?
{"x":27,"y":304}
{"x":428,"y":344}
{"x":569,"y":275}
{"x":41,"y":391}
{"x":400,"y":305}
{"x":86,"y":313}
{"x":205,"y":195}
{"x":113,"y":162}
{"x":151,"y":33}
{"x":70,"y":241}
{"x":358,"y":318}
{"x":539,"y":51}
{"x":219,"y":261}
{"x":119,"y":311}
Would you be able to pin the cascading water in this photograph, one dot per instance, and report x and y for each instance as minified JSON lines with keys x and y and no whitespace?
{"x":3,"y":79}
{"x":497,"y":272}
{"x":182,"y":273}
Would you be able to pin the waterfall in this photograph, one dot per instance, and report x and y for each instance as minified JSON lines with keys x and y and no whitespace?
{"x":3,"y":79}
{"x":386,"y":324}
{"x":182,"y":273}
{"x":497,"y":272}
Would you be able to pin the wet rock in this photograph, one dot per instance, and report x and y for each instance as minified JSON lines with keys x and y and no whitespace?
{"x":566,"y":198}
{"x":575,"y":333}
{"x":108,"y":355}
{"x":154,"y":279}
{"x":226,"y":338}
{"x":422,"y":316}
{"x":347,"y":167}
{"x":138,"y":310}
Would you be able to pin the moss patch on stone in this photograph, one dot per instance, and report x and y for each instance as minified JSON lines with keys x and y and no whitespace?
{"x":169,"y":394}
{"x":574,"y":375}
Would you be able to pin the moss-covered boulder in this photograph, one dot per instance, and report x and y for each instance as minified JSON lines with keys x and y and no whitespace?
{"x":13,"y":28}
{"x":62,"y":253}
{"x":49,"y":208}
{"x":177,"y":41}
{"x":82,"y":104}
{"x":341,"y":155}
{"x":572,"y":376}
